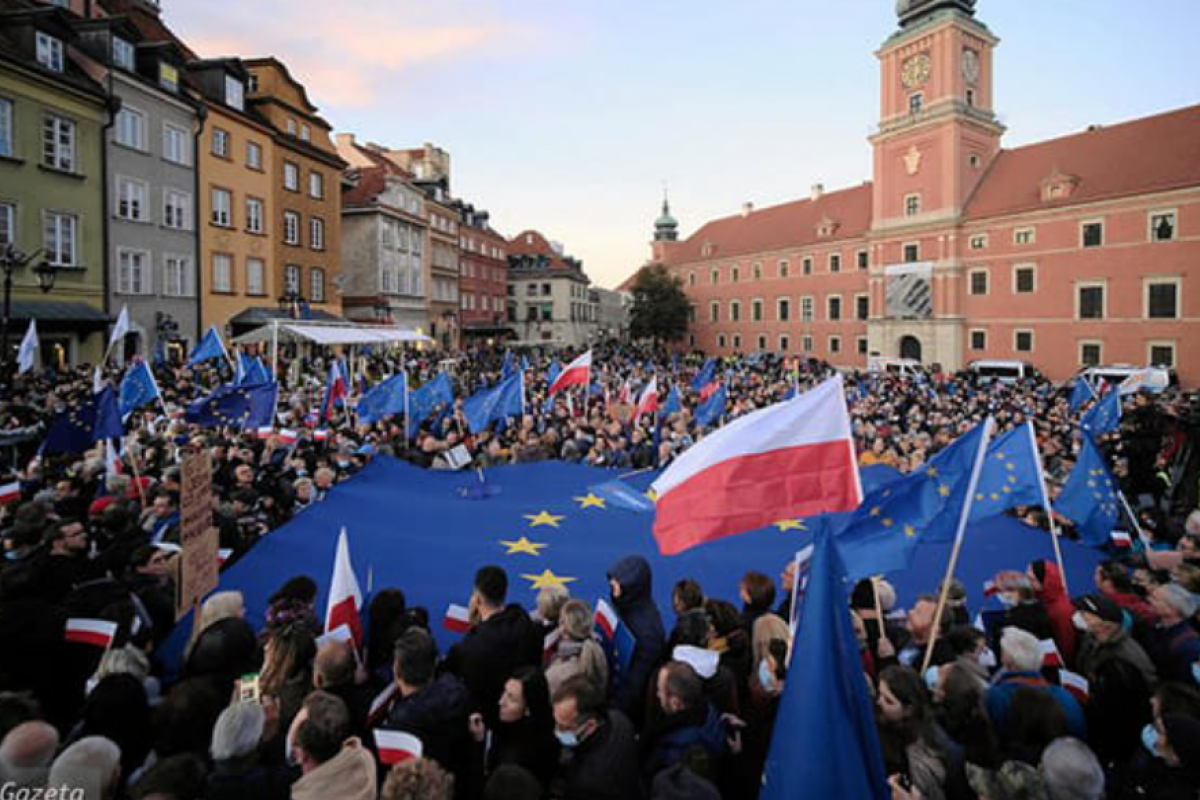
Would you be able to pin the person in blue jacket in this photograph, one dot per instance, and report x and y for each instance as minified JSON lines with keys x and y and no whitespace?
{"x":630,"y":582}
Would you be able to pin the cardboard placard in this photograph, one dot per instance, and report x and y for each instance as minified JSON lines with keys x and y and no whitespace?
{"x":198,"y":538}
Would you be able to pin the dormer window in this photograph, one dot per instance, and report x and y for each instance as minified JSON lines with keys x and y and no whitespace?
{"x":1058,"y":186}
{"x":291,"y":128}
{"x":252,"y":83}
{"x":168,"y":76}
{"x":49,"y":52}
{"x":122,"y":53}
{"x":235,"y":93}
{"x":305,"y":132}
{"x":826,"y":228}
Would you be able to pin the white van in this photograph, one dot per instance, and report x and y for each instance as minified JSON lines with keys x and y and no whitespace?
{"x":900,"y":367}
{"x":1130,"y":378}
{"x":1001,"y":371}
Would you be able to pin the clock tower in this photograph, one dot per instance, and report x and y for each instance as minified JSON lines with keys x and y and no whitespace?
{"x":938,"y":130}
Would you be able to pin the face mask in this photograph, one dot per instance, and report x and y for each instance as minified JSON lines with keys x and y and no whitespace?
{"x":567,"y":738}
{"x":1078,"y":621}
{"x":11,"y":555}
{"x":1196,"y":672}
{"x":1007,"y":600}
{"x":931,"y":678}
{"x":289,"y":757}
{"x":1150,"y":740}
{"x":765,"y":678}
{"x":987,"y":659}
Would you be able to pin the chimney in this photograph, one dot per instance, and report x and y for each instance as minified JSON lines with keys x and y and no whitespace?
{"x":818,"y":189}
{"x":747,"y":208}
{"x":344,"y":139}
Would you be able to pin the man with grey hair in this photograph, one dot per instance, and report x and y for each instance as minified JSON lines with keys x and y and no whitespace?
{"x":1071,"y":771}
{"x":1021,"y":664}
{"x":1176,"y":646}
{"x":92,"y":764}
{"x":237,"y":770}
{"x":26,"y":753}
{"x":238,"y":731}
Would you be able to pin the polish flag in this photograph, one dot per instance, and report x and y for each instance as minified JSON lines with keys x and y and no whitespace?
{"x":1121,"y":539}
{"x":265,"y":432}
{"x":99,"y":632}
{"x":607,"y":619}
{"x":381,"y":706}
{"x":10,"y":492}
{"x":339,"y":634}
{"x":1050,"y":655}
{"x":1076,"y":684}
{"x":223,"y":555}
{"x":792,"y":459}
{"x":577,"y":373}
{"x":288,"y":436}
{"x":337,"y":387}
{"x":990,"y":589}
{"x":648,"y":402}
{"x":626,"y":394}
{"x":457,"y":619}
{"x":345,"y":599}
{"x":321,"y":434}
{"x":395,"y":747}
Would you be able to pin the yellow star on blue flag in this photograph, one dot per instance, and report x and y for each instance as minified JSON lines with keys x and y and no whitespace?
{"x":543,"y":518}
{"x":523,"y":545}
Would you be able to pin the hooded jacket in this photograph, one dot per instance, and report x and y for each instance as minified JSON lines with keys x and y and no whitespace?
{"x":640,"y":614}
{"x":350,"y":775}
{"x":1058,"y":606}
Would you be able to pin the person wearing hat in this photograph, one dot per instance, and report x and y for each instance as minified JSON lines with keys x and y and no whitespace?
{"x":1119,"y":675}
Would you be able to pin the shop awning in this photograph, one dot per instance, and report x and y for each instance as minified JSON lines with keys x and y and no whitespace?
{"x":330,"y":334}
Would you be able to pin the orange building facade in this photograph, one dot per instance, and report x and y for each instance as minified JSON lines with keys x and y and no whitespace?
{"x":1077,"y":251}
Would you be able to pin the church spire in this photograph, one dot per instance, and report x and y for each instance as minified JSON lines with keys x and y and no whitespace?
{"x":666,"y":229}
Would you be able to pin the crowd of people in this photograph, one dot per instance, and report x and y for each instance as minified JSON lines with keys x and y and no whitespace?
{"x":500,"y":714}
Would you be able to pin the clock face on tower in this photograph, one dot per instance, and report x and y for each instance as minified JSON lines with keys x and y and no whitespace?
{"x":970,"y":66}
{"x":915,"y":71}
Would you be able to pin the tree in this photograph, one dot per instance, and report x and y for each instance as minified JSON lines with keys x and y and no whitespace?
{"x":660,"y":306}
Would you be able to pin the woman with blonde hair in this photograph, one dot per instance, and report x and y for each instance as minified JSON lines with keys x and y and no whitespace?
{"x":766,"y":628}
{"x":578,"y":652}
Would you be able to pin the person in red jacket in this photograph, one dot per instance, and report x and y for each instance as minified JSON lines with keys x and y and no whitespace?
{"x":1048,"y":586}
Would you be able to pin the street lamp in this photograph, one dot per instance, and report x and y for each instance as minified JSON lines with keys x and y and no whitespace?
{"x":12,"y":259}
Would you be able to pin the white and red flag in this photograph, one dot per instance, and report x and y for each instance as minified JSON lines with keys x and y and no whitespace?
{"x":792,"y":459}
{"x":1076,"y":684}
{"x":577,"y":373}
{"x":112,"y":459}
{"x":98,"y":632}
{"x":1050,"y":655}
{"x":10,"y":493}
{"x":457,"y":619}
{"x":345,"y":599}
{"x":648,"y":401}
{"x":395,"y":747}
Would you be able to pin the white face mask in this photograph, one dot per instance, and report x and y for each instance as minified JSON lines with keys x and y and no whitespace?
{"x":1078,"y":621}
{"x":931,"y":678}
{"x":987,"y":659}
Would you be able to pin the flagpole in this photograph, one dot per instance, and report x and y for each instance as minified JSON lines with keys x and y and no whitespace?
{"x":964,"y":515}
{"x":1054,"y":530}
{"x":1133,"y":518}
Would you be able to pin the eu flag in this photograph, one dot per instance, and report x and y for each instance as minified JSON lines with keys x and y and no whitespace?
{"x":509,"y":366}
{"x":505,"y":399}
{"x":384,"y":400}
{"x":422,"y":401}
{"x":1104,"y":417}
{"x":705,"y":376}
{"x":712,"y":409}
{"x":1011,"y":475}
{"x":1089,"y":497}
{"x":251,"y":371}
{"x":210,"y":346}
{"x":672,"y":405}
{"x":71,"y":431}
{"x":825,"y":743}
{"x":928,"y":503}
{"x":138,"y":388}
{"x":108,"y":423}
{"x":237,"y":406}
{"x":552,"y":372}
{"x":1081,"y":392}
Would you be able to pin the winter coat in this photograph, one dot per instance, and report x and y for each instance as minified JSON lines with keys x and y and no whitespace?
{"x":350,"y":775}
{"x":998,"y":700}
{"x":247,"y":779}
{"x":1058,"y":606}
{"x":437,"y":714}
{"x":489,"y":654}
{"x":639,"y":613}
{"x":669,"y":742}
{"x":567,"y":663}
{"x":1093,"y":654}
{"x":605,"y":765}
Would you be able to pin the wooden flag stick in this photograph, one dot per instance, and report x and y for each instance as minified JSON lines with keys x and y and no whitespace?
{"x":1054,"y":531}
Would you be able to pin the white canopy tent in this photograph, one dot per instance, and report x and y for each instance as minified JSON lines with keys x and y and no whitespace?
{"x":326,"y":333}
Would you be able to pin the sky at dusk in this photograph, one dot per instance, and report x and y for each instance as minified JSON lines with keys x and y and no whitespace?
{"x":569,"y":116}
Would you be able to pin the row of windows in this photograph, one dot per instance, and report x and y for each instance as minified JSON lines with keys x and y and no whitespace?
{"x":135,"y":274}
{"x":485,"y":302}
{"x":1162,"y":225}
{"x":482,"y":271}
{"x":783,"y":309}
{"x":60,"y":234}
{"x":222,"y":216}
{"x":254,"y":278}
{"x":222,"y":147}
{"x":406,"y":280}
{"x":1160,"y":295}
{"x":833,"y":343}
{"x":1091,"y":353}
{"x":132,"y":202}
{"x":130,"y":130}
{"x":783,"y":268}
{"x":469,"y":244}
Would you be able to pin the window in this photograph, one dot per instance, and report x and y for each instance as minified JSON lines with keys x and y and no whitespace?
{"x":176,"y":144}
{"x":177,"y":209}
{"x":1162,"y":227}
{"x":1091,"y":354}
{"x":783,"y":309}
{"x":806,"y":344}
{"x":1162,"y":354}
{"x":130,"y":128}
{"x":291,"y":279}
{"x":737,"y":341}
{"x":291,"y":176}
{"x":735,"y":311}
{"x":835,"y":262}
{"x":222,"y":207}
{"x":235,"y":93}
{"x":862,"y":345}
{"x":122,"y":53}
{"x":291,"y":127}
{"x":58,"y":143}
{"x":974,"y":161}
{"x":133,"y":276}
{"x":721,"y":341}
{"x":783,"y":269}
{"x":978,"y":340}
{"x":915,"y":102}
{"x":863,"y":259}
{"x":734,"y":274}
{"x":691,"y":279}
{"x":220,"y":143}
{"x":835,"y":308}
{"x":255,"y":276}
{"x":714,"y":311}
{"x":1092,"y":234}
{"x":49,"y":52}
{"x":979,"y":241}
{"x":862,"y":307}
{"x":806,"y":265}
{"x":222,"y":273}
{"x":131,"y":200}
{"x":785,"y":344}
{"x":316,"y":185}
{"x":1162,"y":299}
{"x":756,"y":310}
{"x":316,"y":283}
{"x":305,"y":132}
{"x":291,"y":227}
{"x":254,"y":155}
{"x":177,"y":276}
{"x":806,"y":309}
{"x":835,"y":344}
{"x":1023,"y":341}
{"x":912,"y":252}
{"x":979,"y":281}
{"x":254,"y":215}
{"x":757,"y":268}
{"x":1024,"y":236}
{"x":6,"y":127}
{"x":762,"y":343}
{"x":912,"y":205}
{"x":316,"y":233}
{"x":252,"y":83}
{"x":8,"y":223}
{"x":1024,"y":279}
{"x":1090,"y":301}
{"x":970,"y":97}
{"x":168,"y":76}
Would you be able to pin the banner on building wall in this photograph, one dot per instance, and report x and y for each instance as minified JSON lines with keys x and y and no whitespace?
{"x":909,"y":290}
